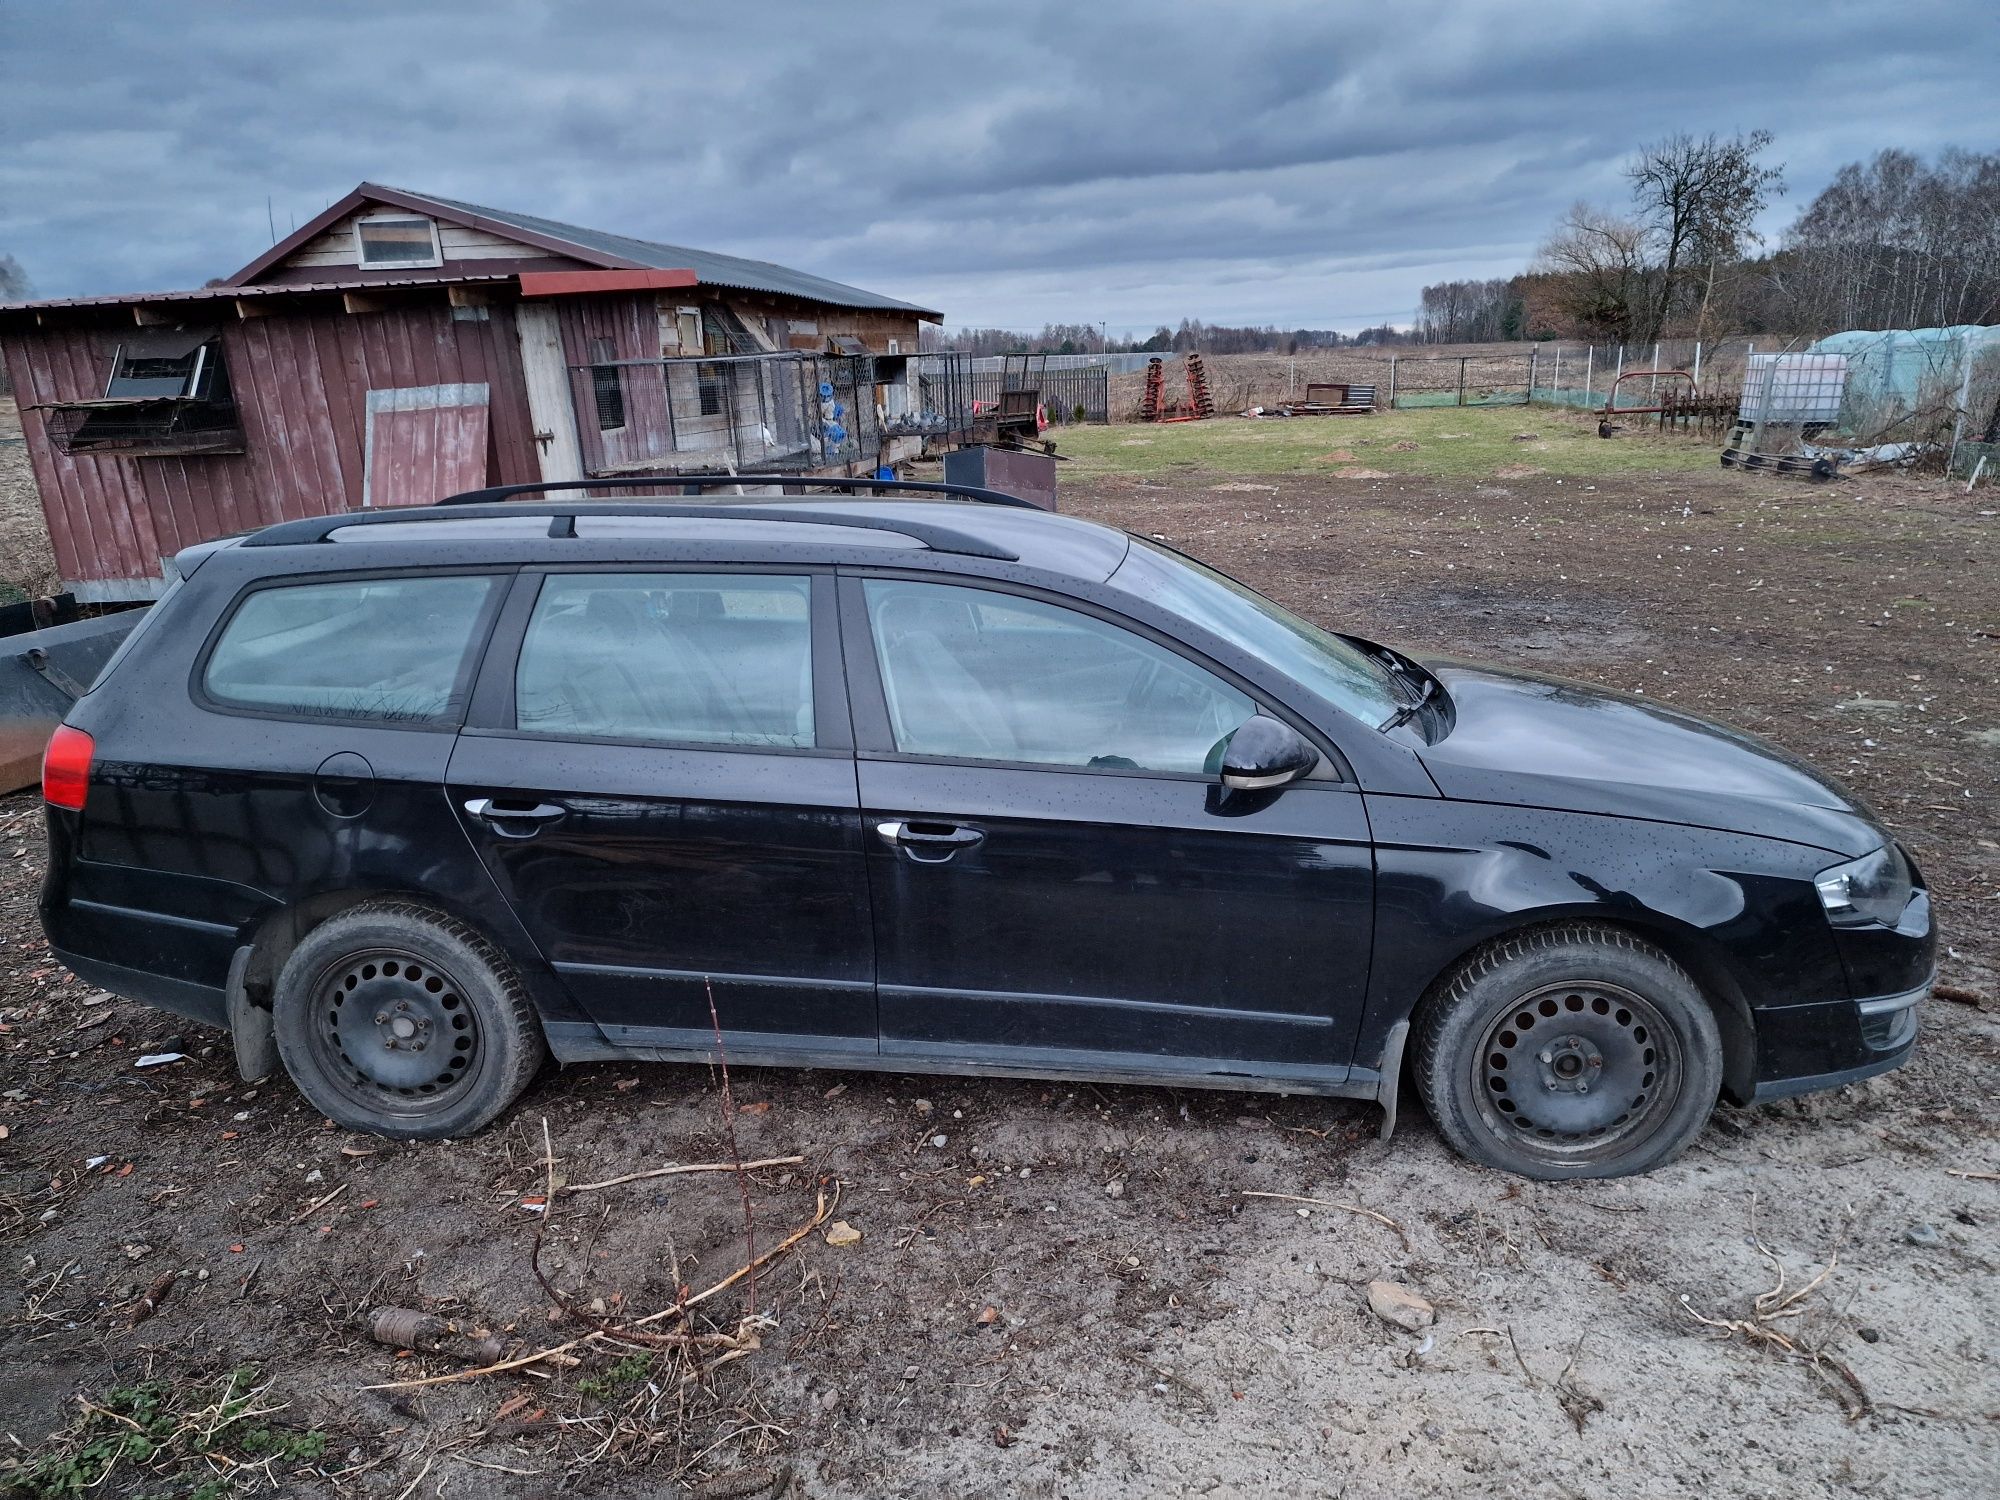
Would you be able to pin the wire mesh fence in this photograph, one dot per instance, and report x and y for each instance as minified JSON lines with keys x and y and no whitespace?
{"x":763,"y":413}
{"x":1936,"y":389}
{"x":1080,"y":393}
{"x":1594,"y":377}
{"x":1238,"y":382}
{"x":1567,"y":374}
{"x":1422,"y":381}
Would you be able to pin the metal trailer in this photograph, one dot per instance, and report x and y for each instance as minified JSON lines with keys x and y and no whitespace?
{"x":43,"y":672}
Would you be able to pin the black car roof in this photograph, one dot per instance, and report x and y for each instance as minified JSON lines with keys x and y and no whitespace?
{"x":834,"y":528}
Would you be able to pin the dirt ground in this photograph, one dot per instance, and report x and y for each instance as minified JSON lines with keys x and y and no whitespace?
{"x":1154,"y":1329}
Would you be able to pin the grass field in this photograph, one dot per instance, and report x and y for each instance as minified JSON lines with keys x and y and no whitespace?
{"x":1464,"y":443}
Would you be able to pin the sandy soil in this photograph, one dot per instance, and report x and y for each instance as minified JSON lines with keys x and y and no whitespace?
{"x":1154,"y":1330}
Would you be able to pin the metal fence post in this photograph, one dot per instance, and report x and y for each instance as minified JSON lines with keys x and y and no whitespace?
{"x":1461,"y":379}
{"x":1611,"y":396}
{"x":1589,"y":359}
{"x":1964,"y":401}
{"x":1532,"y":352}
{"x":1697,"y":364}
{"x":1764,"y":405}
{"x":1556,"y":385}
{"x":1653,"y":382}
{"x":1392,"y":382}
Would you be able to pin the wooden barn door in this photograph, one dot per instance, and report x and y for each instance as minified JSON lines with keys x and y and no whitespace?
{"x":546,"y":373}
{"x":424,"y":442}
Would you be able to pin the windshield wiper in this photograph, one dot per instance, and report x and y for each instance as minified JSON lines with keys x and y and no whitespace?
{"x":1426,"y":690}
{"x":1405,"y":677}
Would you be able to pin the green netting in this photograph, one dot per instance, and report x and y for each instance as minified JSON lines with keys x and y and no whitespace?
{"x":1569,"y":395}
{"x":1413,"y":400}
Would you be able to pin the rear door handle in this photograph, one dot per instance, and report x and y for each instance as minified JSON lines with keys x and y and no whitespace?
{"x":927,"y":842}
{"x":526,"y":821}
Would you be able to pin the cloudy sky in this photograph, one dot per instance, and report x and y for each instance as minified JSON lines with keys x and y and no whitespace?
{"x":1130,"y":161}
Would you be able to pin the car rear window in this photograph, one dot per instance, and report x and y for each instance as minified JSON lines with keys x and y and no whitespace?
{"x":689,"y":658}
{"x":387,"y":649}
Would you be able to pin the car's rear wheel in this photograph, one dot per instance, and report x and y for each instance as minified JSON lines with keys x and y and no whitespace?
{"x":400,"y":1021}
{"x":1570,"y":1051}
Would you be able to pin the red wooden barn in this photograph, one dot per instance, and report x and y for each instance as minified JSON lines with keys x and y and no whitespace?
{"x":402,"y":347}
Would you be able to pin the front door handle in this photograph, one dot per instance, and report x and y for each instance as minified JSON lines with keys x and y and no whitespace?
{"x":926,"y":842}
{"x":525,"y":821}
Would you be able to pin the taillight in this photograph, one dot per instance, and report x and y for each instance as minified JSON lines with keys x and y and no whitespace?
{"x":66,"y":768}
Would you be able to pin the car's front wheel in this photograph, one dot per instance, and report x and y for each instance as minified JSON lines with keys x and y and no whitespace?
{"x":1572,"y":1051}
{"x":398,"y":1020}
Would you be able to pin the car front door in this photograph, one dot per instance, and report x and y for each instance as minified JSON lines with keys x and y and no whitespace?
{"x":657,"y":770}
{"x":1059,"y":879}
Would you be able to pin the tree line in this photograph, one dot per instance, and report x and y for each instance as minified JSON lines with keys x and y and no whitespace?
{"x":1892,"y":242}
{"x":1192,"y":334}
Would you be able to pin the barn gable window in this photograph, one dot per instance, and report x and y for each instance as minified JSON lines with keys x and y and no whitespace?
{"x":396,"y":241}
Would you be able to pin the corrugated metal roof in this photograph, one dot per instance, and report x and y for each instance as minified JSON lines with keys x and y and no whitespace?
{"x":712,"y":268}
{"x":230,"y":293}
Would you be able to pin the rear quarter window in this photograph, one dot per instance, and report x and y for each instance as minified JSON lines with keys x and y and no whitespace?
{"x":388,"y":650}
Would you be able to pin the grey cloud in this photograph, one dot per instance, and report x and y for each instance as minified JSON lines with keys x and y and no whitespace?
{"x":1302,"y":163}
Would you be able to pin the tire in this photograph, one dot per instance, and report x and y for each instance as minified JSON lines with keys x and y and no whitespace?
{"x":1572,"y":1051}
{"x":399,"y":1021}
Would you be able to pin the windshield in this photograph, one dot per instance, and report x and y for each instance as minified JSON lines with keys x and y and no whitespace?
{"x":1316,"y":659}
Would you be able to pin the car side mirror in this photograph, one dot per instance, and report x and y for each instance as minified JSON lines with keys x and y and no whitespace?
{"x":1264,"y":754}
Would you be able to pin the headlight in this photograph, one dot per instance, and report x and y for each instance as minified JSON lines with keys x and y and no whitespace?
{"x":1866,"y":892}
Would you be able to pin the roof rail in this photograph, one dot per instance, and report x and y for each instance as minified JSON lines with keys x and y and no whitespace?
{"x":562,"y":518}
{"x":498,"y":492}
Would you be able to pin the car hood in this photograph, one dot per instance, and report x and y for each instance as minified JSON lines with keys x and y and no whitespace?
{"x":1538,"y":741}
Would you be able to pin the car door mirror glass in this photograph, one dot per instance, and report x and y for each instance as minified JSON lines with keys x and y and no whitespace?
{"x":1265,"y":753}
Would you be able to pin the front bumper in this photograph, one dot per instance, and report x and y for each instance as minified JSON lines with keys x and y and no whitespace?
{"x":1804,"y":1048}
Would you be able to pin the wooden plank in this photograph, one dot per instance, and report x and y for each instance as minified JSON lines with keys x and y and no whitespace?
{"x":575,"y":283}
{"x":305,"y":401}
{"x":551,"y":409}
{"x":425,"y":442}
{"x":516,"y":457}
{"x":114,"y":553}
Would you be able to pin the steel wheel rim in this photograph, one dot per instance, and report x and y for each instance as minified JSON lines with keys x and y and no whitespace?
{"x":1573,"y":1074}
{"x":394,"y":1032}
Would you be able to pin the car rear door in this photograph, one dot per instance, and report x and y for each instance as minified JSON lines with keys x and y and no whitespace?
{"x":657,"y":769}
{"x":1058,"y":878}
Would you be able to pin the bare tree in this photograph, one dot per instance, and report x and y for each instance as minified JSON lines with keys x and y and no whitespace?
{"x":1468,"y":312}
{"x":14,"y":283}
{"x":1699,"y":200}
{"x":1898,"y":243}
{"x":1598,"y":272}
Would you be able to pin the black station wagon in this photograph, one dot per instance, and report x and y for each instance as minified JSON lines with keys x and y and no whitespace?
{"x":948,"y":786}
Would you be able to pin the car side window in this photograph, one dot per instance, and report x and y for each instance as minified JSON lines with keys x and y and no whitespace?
{"x":686,"y":658}
{"x":387,"y":649}
{"x":974,"y":674}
